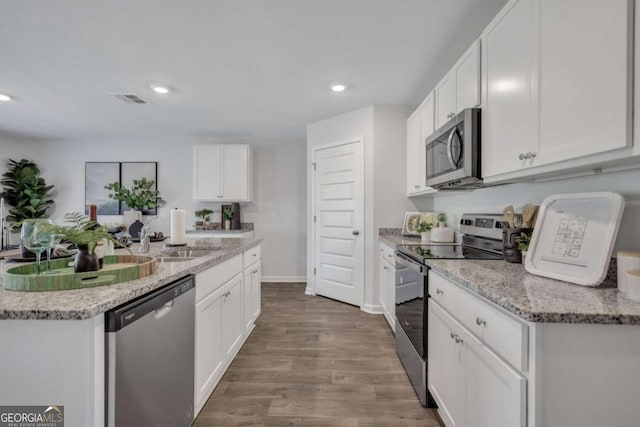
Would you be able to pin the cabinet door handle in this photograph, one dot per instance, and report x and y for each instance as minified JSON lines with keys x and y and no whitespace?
{"x":385,"y":267}
{"x":480,"y":322}
{"x":458,"y":340}
{"x":355,"y":232}
{"x":453,"y":336}
{"x":416,"y":186}
{"x":533,"y":155}
{"x":522,"y":156}
{"x":439,"y":291}
{"x":255,"y":255}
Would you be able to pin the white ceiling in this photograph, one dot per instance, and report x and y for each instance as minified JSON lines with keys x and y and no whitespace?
{"x":240,"y":68}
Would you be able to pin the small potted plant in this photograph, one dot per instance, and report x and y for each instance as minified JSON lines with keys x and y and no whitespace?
{"x":442,"y":220}
{"x":85,"y":234}
{"x":424,"y":228}
{"x":141,"y":196}
{"x":523,"y":241}
{"x":227,"y":216}
{"x":204,"y":215}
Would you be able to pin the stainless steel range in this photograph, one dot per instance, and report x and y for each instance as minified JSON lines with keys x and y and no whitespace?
{"x":482,"y":239}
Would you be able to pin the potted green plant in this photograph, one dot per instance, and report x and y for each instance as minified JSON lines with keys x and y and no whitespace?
{"x":523,"y":241}
{"x":205,"y":215}
{"x":142,"y":195}
{"x":442,"y":220}
{"x":227,"y":216}
{"x":26,"y":193}
{"x":85,"y":234}
{"x":424,"y":228}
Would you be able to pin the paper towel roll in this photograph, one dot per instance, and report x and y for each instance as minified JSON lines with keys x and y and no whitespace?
{"x":178,"y":227}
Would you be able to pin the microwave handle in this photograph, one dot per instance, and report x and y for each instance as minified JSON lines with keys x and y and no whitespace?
{"x":454,"y":164}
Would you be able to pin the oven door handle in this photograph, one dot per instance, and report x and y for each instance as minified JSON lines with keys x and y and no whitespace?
{"x":452,"y":162}
{"x":404,"y":261}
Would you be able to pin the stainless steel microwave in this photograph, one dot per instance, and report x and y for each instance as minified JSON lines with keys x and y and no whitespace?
{"x":453,"y":153}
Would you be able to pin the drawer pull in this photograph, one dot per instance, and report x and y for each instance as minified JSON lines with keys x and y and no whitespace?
{"x":480,"y":322}
{"x":458,"y":340}
{"x":439,"y":291}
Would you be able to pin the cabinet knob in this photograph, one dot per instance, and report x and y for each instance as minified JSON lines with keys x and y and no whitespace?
{"x":522,"y":156}
{"x":480,"y":322}
{"x":355,"y":232}
{"x":439,"y":291}
{"x":453,"y":336}
{"x":533,"y":155}
{"x":416,"y":186}
{"x":458,"y":340}
{"x":385,"y":267}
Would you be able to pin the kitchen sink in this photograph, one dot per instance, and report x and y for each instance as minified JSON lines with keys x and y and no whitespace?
{"x":174,"y":259}
{"x":188,"y":253}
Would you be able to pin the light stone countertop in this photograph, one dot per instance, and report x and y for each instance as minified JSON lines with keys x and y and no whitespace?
{"x":81,"y":304}
{"x":535,"y":298}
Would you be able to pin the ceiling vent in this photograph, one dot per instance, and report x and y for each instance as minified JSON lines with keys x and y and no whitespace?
{"x":130,"y":98}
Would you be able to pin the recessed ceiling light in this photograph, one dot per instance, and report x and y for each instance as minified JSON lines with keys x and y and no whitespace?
{"x":4,"y":97}
{"x":338,"y":88}
{"x":160,"y":89}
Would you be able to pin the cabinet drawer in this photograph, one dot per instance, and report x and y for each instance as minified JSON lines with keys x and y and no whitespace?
{"x":251,"y":255}
{"x":212,"y":278}
{"x":499,"y":331}
{"x":388,"y":253}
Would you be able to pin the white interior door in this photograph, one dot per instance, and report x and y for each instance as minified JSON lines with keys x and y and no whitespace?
{"x":339,"y":222}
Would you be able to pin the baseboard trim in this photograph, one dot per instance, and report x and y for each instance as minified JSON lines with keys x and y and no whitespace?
{"x":309,"y":291}
{"x":284,"y":279}
{"x":371,"y":309}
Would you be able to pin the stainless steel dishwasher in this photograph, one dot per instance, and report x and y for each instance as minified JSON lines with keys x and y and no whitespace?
{"x":150,"y":358}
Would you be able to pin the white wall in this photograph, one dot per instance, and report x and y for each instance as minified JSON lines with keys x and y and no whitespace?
{"x":278,"y":210}
{"x":494,"y":199}
{"x":384,"y":133}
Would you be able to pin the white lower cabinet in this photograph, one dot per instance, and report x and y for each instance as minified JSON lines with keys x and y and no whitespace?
{"x":226,"y":298}
{"x":251,"y":295}
{"x":387,"y":284}
{"x":210,"y":357}
{"x":232,"y":325}
{"x":473,"y":386}
{"x":446,"y":367}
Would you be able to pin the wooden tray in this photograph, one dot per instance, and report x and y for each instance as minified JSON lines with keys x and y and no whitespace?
{"x":117,"y":269}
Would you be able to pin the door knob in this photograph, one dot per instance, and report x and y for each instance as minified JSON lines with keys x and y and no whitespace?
{"x":355,"y":232}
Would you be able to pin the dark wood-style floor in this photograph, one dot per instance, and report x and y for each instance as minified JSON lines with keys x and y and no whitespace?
{"x":312,"y":361}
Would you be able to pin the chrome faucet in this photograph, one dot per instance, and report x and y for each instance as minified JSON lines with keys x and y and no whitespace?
{"x":145,"y":239}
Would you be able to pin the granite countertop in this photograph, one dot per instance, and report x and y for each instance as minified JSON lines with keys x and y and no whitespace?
{"x":535,"y":298}
{"x":86,"y":303}
{"x":219,"y":231}
{"x":394,"y":237}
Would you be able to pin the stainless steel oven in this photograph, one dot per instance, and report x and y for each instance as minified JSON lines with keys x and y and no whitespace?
{"x":411,"y":323}
{"x":482,"y":240}
{"x":453,"y":153}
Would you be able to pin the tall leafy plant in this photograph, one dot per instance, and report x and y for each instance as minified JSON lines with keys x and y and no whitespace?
{"x":25,"y":191}
{"x":141,"y":195}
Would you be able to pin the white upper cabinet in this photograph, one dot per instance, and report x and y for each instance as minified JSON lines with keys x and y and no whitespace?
{"x":556,"y":84}
{"x":445,"y":99}
{"x":508,"y":103}
{"x":460,"y":88}
{"x":585,"y":69}
{"x":419,"y":126}
{"x":413,"y":149}
{"x":222,"y":173}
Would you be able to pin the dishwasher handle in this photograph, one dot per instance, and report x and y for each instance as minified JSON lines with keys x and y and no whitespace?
{"x":159,"y":301}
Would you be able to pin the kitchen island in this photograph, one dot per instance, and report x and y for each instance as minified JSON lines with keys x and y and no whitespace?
{"x":508,"y":348}
{"x":53,"y":343}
